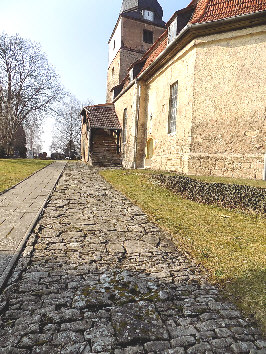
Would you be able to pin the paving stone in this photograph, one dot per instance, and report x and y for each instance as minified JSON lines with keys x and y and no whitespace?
{"x":175,"y":351}
{"x":183,"y":341}
{"x":156,"y":347}
{"x":199,"y":348}
{"x":140,"y":321}
{"x":223,"y":332}
{"x":181,"y":331}
{"x":221,"y":342}
{"x":242,"y":347}
{"x":261,"y":344}
{"x":96,"y":276}
{"x":130,"y":350}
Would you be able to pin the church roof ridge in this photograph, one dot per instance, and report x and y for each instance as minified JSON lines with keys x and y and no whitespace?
{"x":213,"y":10}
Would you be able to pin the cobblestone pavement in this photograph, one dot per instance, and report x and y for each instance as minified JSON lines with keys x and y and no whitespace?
{"x":97,"y":277}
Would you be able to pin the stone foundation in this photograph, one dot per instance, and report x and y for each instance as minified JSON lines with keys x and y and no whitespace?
{"x":226,"y":165}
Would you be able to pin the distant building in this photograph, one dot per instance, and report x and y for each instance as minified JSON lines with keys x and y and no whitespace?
{"x":194,"y":102}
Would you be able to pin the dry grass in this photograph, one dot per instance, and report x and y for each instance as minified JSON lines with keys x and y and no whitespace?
{"x":14,"y":171}
{"x":229,"y":245}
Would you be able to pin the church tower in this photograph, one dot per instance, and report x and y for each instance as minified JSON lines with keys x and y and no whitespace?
{"x":139,"y":25}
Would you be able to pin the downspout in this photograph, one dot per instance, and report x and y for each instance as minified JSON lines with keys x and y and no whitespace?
{"x":136,"y":123}
{"x":264,"y":171}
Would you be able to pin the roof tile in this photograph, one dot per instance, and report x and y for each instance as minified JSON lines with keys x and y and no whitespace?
{"x":213,"y":10}
{"x":155,"y":50}
{"x":103,"y":116}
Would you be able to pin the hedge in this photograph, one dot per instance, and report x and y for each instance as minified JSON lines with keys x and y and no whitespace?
{"x":230,"y":196}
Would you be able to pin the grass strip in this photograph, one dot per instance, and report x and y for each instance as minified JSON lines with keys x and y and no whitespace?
{"x":228,"y":244}
{"x":12,"y":171}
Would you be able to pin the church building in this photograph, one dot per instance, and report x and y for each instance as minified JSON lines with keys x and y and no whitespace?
{"x":188,"y":95}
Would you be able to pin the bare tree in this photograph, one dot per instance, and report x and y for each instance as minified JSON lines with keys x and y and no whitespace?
{"x":67,"y":130}
{"x":28,"y":85}
{"x":33,"y":130}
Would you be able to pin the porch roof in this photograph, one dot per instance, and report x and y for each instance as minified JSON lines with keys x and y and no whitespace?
{"x":103,"y":116}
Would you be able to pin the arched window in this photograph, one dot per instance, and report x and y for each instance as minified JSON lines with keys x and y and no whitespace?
{"x":124,"y":133}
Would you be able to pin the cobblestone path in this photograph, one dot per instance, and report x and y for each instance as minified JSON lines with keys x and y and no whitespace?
{"x":97,"y":277}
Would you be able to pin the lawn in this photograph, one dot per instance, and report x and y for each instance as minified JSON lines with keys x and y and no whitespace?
{"x":228,"y":244}
{"x":14,"y":171}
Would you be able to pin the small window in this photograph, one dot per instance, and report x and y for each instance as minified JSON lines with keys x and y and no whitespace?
{"x":147,"y":36}
{"x":124,"y":134}
{"x":114,"y":44}
{"x":173,"y":108}
{"x":113,"y":71}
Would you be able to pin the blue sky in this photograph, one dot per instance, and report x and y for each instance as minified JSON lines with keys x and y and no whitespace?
{"x":74,"y":35}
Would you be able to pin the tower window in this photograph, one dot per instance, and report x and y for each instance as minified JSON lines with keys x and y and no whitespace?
{"x":147,"y":36}
{"x":114,"y":44}
{"x":113,"y":71}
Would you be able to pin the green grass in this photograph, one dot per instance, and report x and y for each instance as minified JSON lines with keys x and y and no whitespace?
{"x":14,"y":171}
{"x":229,"y":245}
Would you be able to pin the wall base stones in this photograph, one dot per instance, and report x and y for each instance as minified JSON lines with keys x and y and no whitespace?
{"x":230,"y":196}
{"x":227,"y":165}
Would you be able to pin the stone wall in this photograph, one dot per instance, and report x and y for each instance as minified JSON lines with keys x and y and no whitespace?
{"x":113,"y":77}
{"x":231,"y":196}
{"x":128,"y":101}
{"x":132,"y":49}
{"x":227,"y":165}
{"x":84,"y":143}
{"x":132,"y":34}
{"x":104,"y":148}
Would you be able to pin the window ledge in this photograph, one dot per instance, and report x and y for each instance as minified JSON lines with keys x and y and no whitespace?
{"x":171,"y":134}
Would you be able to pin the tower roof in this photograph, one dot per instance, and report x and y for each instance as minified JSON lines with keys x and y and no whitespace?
{"x":138,"y":5}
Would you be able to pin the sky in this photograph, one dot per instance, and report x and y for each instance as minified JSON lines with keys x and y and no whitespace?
{"x":74,"y":35}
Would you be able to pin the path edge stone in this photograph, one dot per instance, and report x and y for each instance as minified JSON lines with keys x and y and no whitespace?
{"x":25,"y":179}
{"x":18,"y":251}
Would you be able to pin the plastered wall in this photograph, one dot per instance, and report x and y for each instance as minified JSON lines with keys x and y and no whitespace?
{"x":229,"y":106}
{"x":170,"y":150}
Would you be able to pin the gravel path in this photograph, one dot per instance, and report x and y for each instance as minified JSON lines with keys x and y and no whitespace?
{"x":97,"y":277}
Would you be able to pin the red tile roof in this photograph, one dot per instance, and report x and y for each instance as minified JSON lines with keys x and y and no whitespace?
{"x":103,"y":116}
{"x":213,"y":10}
{"x":158,"y":47}
{"x":205,"y":10}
